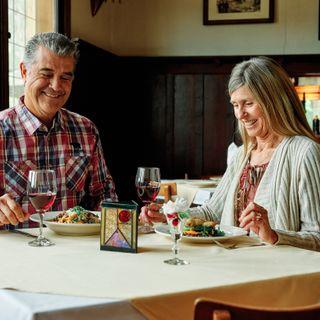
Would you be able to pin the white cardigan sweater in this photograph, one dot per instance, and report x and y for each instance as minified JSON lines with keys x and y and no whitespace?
{"x":289,"y":190}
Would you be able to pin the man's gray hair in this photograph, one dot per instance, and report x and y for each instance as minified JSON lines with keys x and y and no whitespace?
{"x":56,"y":42}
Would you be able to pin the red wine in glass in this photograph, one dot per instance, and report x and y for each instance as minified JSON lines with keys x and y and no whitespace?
{"x":42,"y":201}
{"x":147,"y":186}
{"x":147,"y":194}
{"x":42,"y":190}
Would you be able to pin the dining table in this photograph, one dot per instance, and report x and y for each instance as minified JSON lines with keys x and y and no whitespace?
{"x":74,"y":279}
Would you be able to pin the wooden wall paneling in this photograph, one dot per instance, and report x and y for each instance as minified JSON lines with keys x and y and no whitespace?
{"x":197,"y":128}
{"x":158,"y":119}
{"x":132,"y":118}
{"x":188,"y":125}
{"x":169,"y":146}
{"x":172,"y":112}
{"x":218,"y":124}
{"x":107,"y":92}
{"x":162,"y":121}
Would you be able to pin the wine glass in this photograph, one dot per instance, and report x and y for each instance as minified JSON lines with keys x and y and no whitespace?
{"x":176,"y":223}
{"x":42,"y":190}
{"x":147,"y":186}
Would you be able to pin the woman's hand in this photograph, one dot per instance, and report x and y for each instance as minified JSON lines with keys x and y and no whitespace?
{"x":255,"y":218}
{"x":151,"y":213}
{"x":10,"y":211}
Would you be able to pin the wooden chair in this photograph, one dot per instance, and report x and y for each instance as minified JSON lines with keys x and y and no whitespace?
{"x":208,"y":309}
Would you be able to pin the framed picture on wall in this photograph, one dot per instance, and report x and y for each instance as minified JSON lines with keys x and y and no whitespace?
{"x":237,"y":11}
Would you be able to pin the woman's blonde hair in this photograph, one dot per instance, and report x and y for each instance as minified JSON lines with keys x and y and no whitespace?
{"x":275,"y":93}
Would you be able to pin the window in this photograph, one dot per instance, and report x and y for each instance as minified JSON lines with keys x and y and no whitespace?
{"x":25,"y":18}
{"x":309,"y":93}
{"x":20,"y":20}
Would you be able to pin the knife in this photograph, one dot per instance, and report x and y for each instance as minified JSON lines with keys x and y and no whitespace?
{"x":22,"y":232}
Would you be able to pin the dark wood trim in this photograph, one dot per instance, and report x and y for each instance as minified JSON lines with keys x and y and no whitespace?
{"x":296,"y":65}
{"x":4,"y":68}
{"x":64,"y":17}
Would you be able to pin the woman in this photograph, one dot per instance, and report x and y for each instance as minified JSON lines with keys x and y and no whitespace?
{"x":272,"y":186}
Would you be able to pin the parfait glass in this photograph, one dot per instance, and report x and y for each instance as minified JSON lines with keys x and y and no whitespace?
{"x":42,"y":190}
{"x":148,"y":186}
{"x":176,"y":222}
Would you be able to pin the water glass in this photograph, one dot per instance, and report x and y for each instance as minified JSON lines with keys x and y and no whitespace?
{"x":176,"y":223}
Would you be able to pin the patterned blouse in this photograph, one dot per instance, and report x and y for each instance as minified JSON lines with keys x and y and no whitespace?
{"x":249,"y":182}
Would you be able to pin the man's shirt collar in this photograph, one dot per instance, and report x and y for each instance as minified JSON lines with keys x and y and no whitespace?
{"x":31,"y":123}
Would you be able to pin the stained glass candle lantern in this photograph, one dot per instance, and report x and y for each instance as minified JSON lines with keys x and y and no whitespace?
{"x":119,"y":226}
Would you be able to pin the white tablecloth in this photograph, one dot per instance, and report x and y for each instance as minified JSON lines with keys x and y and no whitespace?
{"x":76,"y":267}
{"x":18,"y":305}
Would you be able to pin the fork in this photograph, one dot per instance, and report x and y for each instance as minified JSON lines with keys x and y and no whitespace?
{"x":234,"y":245}
{"x":224,"y":246}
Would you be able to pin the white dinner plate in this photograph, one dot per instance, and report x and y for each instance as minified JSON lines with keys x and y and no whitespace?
{"x":201,"y":183}
{"x":69,"y":229}
{"x":230,"y":232}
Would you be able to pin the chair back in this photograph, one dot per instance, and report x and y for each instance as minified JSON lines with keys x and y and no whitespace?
{"x":208,"y":309}
{"x":168,"y":189}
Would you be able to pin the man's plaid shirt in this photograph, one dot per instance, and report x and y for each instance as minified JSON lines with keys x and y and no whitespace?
{"x":71,"y":147}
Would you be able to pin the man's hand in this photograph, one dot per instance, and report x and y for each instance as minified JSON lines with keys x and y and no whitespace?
{"x":150,"y":214}
{"x":10,"y":211}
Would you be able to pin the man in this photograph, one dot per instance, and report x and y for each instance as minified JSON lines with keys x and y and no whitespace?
{"x":40,"y":134}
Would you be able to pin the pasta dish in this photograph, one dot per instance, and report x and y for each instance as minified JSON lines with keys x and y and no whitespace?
{"x":77,"y":215}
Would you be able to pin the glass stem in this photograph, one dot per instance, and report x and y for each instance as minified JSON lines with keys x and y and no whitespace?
{"x":40,"y":224}
{"x":147,"y":209}
{"x":175,"y":248}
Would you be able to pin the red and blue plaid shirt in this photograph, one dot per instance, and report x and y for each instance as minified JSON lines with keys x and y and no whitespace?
{"x":71,"y":147}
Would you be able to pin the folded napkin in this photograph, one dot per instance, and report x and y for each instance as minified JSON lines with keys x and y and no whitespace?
{"x":187,"y":192}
